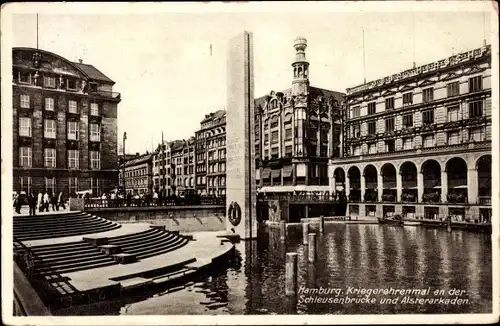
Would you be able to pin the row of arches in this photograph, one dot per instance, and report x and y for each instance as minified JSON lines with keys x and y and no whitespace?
{"x":432,"y":183}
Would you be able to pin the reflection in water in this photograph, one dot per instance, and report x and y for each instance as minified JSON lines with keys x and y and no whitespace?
{"x":361,"y":256}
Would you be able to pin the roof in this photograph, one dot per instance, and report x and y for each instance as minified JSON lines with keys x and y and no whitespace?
{"x":326,"y":93}
{"x":176,"y":145}
{"x":93,"y":72}
{"x":214,"y":115}
{"x":138,"y":160}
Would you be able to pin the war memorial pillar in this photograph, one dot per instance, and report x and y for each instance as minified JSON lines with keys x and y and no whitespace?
{"x":241,"y":198}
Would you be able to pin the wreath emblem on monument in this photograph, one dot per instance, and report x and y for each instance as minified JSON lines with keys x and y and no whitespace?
{"x":234,"y":213}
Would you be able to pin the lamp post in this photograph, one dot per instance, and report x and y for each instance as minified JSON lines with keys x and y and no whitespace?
{"x":123,"y":163}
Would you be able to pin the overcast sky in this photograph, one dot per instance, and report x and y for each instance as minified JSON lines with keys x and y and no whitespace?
{"x":168,"y":79}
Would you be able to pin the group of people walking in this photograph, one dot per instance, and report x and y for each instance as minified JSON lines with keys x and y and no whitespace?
{"x":41,"y":201}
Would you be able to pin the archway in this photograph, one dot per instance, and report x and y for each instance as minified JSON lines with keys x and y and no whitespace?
{"x":409,"y":192}
{"x":354,"y":176}
{"x":456,"y":169}
{"x":339,"y":185}
{"x":431,"y":171}
{"x":483,"y":167}
{"x":389,"y":192}
{"x":370,"y":175}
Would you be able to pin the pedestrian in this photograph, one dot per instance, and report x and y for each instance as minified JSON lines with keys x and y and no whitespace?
{"x":53,"y":201}
{"x":39,"y":202}
{"x":46,"y":200}
{"x":32,"y":204}
{"x":60,"y":201}
{"x":18,"y":203}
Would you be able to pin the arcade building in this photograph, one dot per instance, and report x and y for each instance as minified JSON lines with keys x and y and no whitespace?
{"x":418,"y":143}
{"x":64,"y":125}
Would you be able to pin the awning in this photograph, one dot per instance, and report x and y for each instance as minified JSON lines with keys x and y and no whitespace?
{"x":266,"y":174}
{"x":268,"y":189}
{"x":287,"y":171}
{"x":276,"y":174}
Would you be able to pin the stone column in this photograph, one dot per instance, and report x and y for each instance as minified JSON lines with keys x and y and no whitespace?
{"x":347,"y":186}
{"x":472,"y":186}
{"x":399,"y":186}
{"x":380,"y":186}
{"x":294,"y":174}
{"x":362,"y":181}
{"x":332,"y":184}
{"x":420,"y":185}
{"x":444,"y":186}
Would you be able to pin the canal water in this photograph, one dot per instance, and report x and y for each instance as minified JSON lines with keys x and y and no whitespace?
{"x":360,"y":269}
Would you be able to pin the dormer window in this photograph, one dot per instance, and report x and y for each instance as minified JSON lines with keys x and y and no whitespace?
{"x":24,"y":77}
{"x":71,"y":84}
{"x":93,"y":87}
{"x":49,"y":82}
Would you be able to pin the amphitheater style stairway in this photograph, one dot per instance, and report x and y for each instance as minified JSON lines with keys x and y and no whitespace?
{"x":59,"y":225}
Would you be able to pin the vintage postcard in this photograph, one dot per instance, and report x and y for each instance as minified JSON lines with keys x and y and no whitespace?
{"x":250,"y":163}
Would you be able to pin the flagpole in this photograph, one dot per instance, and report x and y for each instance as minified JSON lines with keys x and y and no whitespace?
{"x":37,"y":30}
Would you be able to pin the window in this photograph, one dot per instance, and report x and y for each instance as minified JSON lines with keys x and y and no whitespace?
{"x":390,"y":145}
{"x":428,"y":140}
{"x":475,"y":109}
{"x":49,"y":104}
{"x":288,"y":151}
{"x":408,"y":120}
{"x":274,"y":137}
{"x":73,"y":186}
{"x":72,"y":107}
{"x":453,"y":113}
{"x":71,"y":84}
{"x":372,"y":108}
{"x":372,"y":148}
{"x":266,"y":138}
{"x":94,"y":109}
{"x":453,"y":138}
{"x":73,"y":130}
{"x":428,"y":95}
{"x":355,"y":112}
{"x":73,"y":159}
{"x":407,"y":143}
{"x":453,"y":89}
{"x":371,"y":128}
{"x":288,"y":134}
{"x":389,"y":103}
{"x":407,"y":98}
{"x":477,"y":134}
{"x":50,"y":185}
{"x":25,"y":157}
{"x":25,"y":101}
{"x":389,"y":124}
{"x":95,"y":186}
{"x":49,"y":130}
{"x":356,"y":150}
{"x":475,"y":84}
{"x":24,"y":77}
{"x":95,"y":132}
{"x":25,"y":183}
{"x":266,"y":154}
{"x":49,"y":82}
{"x":274,"y":152}
{"x":95,"y":160}
{"x":274,"y":122}
{"x":428,"y":117}
{"x":50,"y":157}
{"x":25,"y":127}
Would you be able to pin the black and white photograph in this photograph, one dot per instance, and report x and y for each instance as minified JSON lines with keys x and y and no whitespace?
{"x":250,"y":163}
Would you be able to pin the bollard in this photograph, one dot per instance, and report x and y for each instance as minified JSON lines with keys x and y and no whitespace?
{"x":311,"y":255}
{"x":291,"y":273}
{"x":282,"y":230}
{"x":305,"y":232}
{"x":321,"y":224}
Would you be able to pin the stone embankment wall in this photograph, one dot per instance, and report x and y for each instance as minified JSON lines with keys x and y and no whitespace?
{"x":175,"y":218}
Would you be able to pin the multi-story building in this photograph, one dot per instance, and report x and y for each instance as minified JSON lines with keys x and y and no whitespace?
{"x":418,"y":143}
{"x":296,"y":132}
{"x":162,"y":179}
{"x":138,"y":175}
{"x":211,"y":155}
{"x":182,"y":166}
{"x":64,"y":125}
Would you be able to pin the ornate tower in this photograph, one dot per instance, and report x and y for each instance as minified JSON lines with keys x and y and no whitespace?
{"x":300,"y":92}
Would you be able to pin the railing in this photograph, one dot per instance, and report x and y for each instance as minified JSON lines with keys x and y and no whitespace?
{"x":114,"y":95}
{"x":305,"y":196}
{"x":154,"y":202}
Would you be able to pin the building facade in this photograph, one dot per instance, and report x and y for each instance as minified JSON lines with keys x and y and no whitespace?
{"x":64,"y":125}
{"x":211,"y":155}
{"x":182,"y":166}
{"x":296,"y":132}
{"x":418,"y":143}
{"x":162,"y":180}
{"x":138,"y":175}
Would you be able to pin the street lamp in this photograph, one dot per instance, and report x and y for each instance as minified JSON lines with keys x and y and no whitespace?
{"x":123,"y":163}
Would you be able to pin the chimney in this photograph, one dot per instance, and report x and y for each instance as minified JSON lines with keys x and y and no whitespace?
{"x":80,"y":60}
